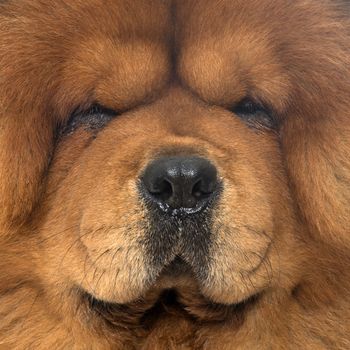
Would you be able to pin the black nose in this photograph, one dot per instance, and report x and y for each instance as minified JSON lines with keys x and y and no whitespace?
{"x":180,"y":182}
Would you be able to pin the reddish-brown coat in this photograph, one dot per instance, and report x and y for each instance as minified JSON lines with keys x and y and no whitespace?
{"x":171,"y":69}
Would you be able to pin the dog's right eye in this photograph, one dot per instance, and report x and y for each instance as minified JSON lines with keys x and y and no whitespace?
{"x":254,"y":114}
{"x":93,"y":119}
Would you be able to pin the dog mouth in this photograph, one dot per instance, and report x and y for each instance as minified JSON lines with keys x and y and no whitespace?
{"x":175,"y":292}
{"x":179,"y":281}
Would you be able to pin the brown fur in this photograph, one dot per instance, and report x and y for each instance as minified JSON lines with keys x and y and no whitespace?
{"x":71,"y":218}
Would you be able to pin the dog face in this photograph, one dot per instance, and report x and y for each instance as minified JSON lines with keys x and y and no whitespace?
{"x":179,"y":146}
{"x":174,"y":180}
{"x":141,"y":211}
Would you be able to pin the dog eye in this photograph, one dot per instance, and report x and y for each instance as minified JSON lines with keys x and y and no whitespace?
{"x":254,"y":114}
{"x":93,"y":119}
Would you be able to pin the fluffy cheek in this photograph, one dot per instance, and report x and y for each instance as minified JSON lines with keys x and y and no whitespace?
{"x":94,"y":225}
{"x":112,"y":237}
{"x":252,"y":241}
{"x":98,"y":247}
{"x":115,"y":274}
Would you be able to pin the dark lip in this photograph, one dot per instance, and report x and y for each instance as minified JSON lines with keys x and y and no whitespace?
{"x":135,"y":314}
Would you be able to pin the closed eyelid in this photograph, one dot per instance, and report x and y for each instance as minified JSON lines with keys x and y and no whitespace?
{"x":94,"y":119}
{"x":255,"y":114}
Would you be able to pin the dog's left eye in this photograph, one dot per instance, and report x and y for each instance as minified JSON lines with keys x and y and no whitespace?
{"x":254,"y":114}
{"x":93,"y":119}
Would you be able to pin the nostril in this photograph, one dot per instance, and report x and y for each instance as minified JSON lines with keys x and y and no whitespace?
{"x":202,"y":190}
{"x":197,"y":190}
{"x":163,"y":190}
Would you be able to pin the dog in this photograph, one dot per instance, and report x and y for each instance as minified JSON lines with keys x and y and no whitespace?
{"x":174,"y":174}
